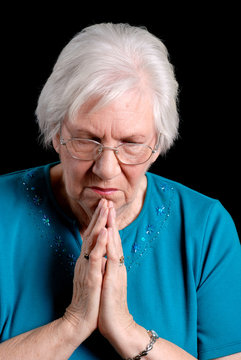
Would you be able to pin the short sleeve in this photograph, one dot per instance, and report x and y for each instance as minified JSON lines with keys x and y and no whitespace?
{"x":219,"y":289}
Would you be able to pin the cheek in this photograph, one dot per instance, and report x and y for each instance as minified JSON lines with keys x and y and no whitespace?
{"x":134,"y":176}
{"x":74,"y":173}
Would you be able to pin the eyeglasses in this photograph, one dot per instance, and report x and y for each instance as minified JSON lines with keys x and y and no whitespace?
{"x":126,"y":153}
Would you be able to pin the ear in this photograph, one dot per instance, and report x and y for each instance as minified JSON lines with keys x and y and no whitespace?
{"x":154,"y":157}
{"x":159,"y":143}
{"x":56,"y":143}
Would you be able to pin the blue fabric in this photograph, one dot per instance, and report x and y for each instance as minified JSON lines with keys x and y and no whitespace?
{"x":182,"y":255}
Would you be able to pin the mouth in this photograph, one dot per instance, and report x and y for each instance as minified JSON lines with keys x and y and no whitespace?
{"x":103,"y":191}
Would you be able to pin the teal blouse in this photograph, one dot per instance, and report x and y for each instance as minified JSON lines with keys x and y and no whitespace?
{"x":182,"y":254}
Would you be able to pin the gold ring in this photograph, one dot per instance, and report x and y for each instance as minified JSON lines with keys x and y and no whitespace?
{"x":122,"y":260}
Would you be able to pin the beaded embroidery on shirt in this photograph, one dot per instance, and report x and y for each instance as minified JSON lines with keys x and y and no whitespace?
{"x":45,"y":224}
{"x":151,"y":231}
{"x":139,"y":249}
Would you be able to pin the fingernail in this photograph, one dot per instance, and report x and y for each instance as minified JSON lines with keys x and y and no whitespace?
{"x":111,"y":205}
{"x":102,"y":203}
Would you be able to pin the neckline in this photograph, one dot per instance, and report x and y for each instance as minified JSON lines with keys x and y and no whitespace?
{"x":52,"y":196}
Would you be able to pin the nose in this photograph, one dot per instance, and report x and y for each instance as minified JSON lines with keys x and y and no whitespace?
{"x":107,"y":166}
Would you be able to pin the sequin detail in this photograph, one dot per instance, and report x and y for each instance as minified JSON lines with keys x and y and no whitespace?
{"x":36,"y":199}
{"x":160,"y":210}
{"x":151,"y":231}
{"x":135,"y":247}
{"x":46,"y":220}
{"x":147,"y":236}
{"x":44,"y":224}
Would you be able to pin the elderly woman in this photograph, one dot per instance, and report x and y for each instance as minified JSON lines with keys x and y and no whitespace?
{"x":98,"y":255}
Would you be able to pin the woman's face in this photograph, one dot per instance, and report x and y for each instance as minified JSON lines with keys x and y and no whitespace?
{"x":127,"y":119}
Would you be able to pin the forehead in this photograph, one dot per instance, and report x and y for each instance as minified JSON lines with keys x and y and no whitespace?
{"x":130,"y":113}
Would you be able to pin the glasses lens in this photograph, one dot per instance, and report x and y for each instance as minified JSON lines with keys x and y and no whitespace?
{"x":82,"y":149}
{"x":131,"y":154}
{"x":134,"y":153}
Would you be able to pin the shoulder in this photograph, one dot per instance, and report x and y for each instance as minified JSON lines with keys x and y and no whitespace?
{"x":13,"y":186}
{"x":185,"y":196}
{"x":193,"y":208}
{"x":11,"y":179}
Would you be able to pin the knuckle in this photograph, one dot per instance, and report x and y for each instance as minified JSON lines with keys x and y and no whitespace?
{"x":94,"y":257}
{"x":92,"y":280}
{"x":101,"y":240}
{"x":87,"y":283}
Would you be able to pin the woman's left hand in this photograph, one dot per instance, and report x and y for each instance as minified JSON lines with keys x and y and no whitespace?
{"x":114,"y":322}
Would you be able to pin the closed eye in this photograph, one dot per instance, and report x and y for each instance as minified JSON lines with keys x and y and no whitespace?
{"x":133,"y":141}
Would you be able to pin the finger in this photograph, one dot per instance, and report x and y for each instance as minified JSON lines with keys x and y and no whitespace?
{"x":111,"y":217}
{"x":92,"y":259}
{"x":102,"y":203}
{"x":115,"y":271}
{"x":90,"y":240}
{"x":96,"y":256}
{"x":116,"y":240}
{"x":100,"y":223}
{"x":99,"y":249}
{"x":110,"y":204}
{"x":104,"y":261}
{"x":87,"y":285}
{"x":114,"y":247}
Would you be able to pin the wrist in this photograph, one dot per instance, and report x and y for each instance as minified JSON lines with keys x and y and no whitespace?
{"x":64,"y":335}
{"x":153,"y":338}
{"x":133,"y":342}
{"x":76,"y":329}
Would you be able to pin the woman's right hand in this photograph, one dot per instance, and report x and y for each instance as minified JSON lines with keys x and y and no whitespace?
{"x":82,"y":314}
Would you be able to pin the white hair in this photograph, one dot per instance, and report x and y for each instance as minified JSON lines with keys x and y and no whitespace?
{"x":103,"y":62}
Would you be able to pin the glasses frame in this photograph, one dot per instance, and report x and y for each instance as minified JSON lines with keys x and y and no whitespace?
{"x":64,"y":142}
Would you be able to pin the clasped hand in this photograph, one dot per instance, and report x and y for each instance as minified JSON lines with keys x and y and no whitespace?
{"x":100,"y":282}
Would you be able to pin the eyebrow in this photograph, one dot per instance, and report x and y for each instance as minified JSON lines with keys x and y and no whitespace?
{"x":83,"y":132}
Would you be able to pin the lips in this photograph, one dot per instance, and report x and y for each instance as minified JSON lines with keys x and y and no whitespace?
{"x":103,"y":191}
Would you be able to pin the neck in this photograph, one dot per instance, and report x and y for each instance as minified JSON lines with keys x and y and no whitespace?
{"x":130,"y":211}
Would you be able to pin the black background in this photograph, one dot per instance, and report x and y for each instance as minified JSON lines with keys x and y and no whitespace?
{"x":203,"y":43}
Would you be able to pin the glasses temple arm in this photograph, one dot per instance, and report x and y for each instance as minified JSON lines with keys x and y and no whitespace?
{"x":157,"y":143}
